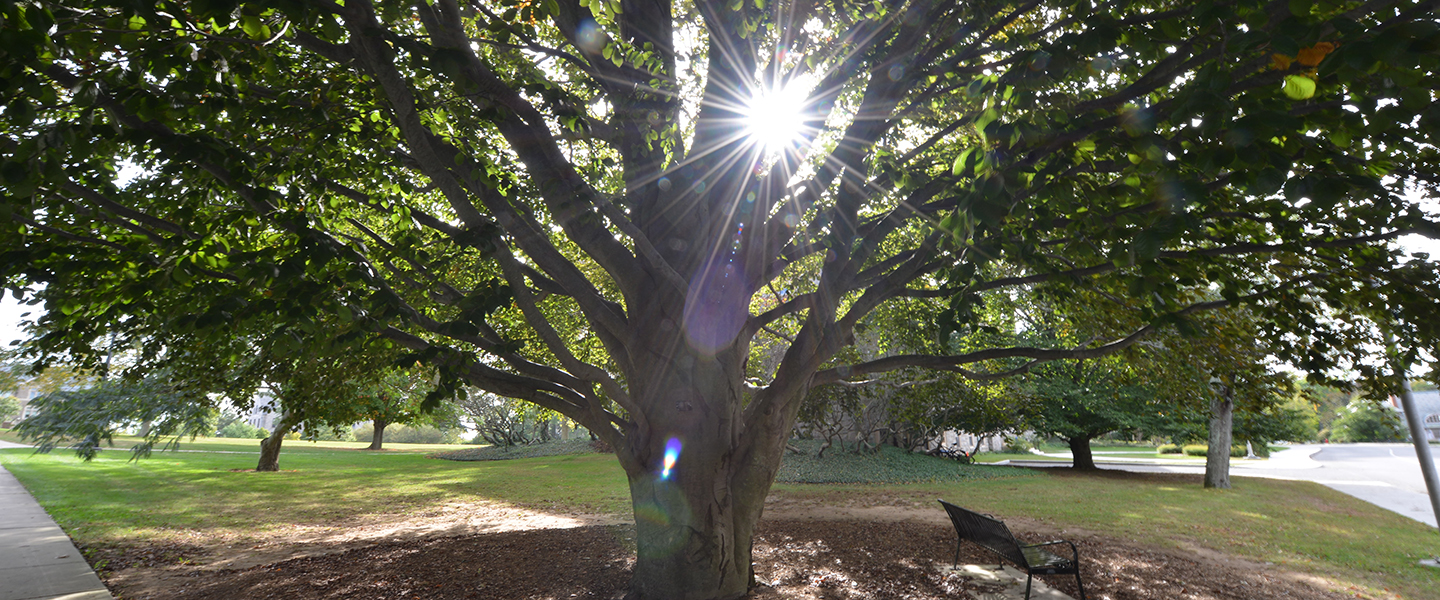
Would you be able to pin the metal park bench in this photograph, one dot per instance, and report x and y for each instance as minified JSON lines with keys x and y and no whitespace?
{"x":992,"y":534}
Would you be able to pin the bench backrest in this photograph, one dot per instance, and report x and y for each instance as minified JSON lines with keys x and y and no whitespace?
{"x":989,"y":532}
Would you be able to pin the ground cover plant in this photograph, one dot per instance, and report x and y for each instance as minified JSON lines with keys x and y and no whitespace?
{"x":885,"y":464}
{"x":201,"y":508}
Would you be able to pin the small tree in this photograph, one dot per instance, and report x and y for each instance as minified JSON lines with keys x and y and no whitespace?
{"x":506,"y":422}
{"x":1083,"y":400}
{"x":395,"y":399}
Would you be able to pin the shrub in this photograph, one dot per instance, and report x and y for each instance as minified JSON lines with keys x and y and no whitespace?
{"x":329,"y":434}
{"x":1168,"y":449}
{"x":241,"y":429}
{"x":1203,"y":450}
{"x":1017,"y":445}
{"x":402,"y":434}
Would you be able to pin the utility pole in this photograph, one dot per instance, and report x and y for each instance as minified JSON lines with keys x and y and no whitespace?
{"x":1422,"y":447}
{"x":1417,"y":432}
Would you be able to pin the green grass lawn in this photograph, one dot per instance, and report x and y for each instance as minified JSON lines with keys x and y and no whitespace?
{"x":172,"y":496}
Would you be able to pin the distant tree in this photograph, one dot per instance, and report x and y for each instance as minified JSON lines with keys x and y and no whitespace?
{"x":1291,"y":420}
{"x":226,"y":417}
{"x":241,"y":429}
{"x":11,"y":371}
{"x":1367,"y":421}
{"x":1221,"y":360}
{"x":88,"y":419}
{"x":504,"y":421}
{"x":1327,"y":401}
{"x":982,"y":409}
{"x":395,"y":398}
{"x":1079,"y":401}
{"x":9,"y":407}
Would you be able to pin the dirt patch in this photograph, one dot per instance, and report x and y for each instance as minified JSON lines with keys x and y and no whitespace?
{"x":492,"y":551}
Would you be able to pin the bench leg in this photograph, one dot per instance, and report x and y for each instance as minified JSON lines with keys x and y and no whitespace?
{"x":1079,"y":583}
{"x":1028,"y":579}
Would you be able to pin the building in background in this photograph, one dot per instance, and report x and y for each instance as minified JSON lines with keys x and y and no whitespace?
{"x":1427,"y":403}
{"x":25,"y":393}
{"x":264,"y":410}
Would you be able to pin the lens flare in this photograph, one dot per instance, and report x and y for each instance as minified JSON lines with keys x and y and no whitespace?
{"x":589,"y":37}
{"x":775,"y":117}
{"x":672,"y":453}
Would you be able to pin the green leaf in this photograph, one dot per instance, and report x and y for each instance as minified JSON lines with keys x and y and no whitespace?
{"x":252,"y":26}
{"x":960,"y":165}
{"x":1299,"y":87}
{"x":984,"y":119}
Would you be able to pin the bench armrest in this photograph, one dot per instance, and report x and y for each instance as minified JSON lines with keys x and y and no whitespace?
{"x":1074,"y":552}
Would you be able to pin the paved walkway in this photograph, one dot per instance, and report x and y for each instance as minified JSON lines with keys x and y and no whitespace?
{"x":37,"y":559}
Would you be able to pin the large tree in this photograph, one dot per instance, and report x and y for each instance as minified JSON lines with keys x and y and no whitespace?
{"x":602,"y":207}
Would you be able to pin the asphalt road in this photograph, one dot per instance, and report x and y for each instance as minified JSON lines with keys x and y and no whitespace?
{"x":1384,"y":474}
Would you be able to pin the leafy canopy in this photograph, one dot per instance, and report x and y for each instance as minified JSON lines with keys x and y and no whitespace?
{"x":556,"y":201}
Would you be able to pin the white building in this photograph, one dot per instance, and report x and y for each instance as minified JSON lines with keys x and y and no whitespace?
{"x":1428,"y":405}
{"x":264,"y":410}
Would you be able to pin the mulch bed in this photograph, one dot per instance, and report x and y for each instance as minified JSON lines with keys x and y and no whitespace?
{"x":809,"y":559}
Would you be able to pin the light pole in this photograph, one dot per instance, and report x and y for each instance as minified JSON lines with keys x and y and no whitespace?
{"x":1422,"y":446}
{"x":1417,"y":432}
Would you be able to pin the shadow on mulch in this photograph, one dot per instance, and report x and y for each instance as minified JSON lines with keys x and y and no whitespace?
{"x":798,"y":559}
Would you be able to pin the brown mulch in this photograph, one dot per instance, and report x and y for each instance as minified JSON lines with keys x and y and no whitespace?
{"x":802,"y":559}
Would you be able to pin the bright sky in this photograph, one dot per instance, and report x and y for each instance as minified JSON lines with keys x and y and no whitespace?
{"x":10,"y":311}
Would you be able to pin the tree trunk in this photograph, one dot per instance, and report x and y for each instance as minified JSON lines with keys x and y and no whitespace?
{"x":379,"y":434}
{"x":1217,"y":458}
{"x":145,"y":428}
{"x":270,"y":446}
{"x":692,"y":542}
{"x":1080,"y":449}
{"x":695,"y":512}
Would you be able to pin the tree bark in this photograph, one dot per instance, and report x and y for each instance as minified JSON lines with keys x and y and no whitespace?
{"x":270,"y":446}
{"x":378,"y":438}
{"x":1217,"y":458}
{"x":695,"y":513}
{"x":1080,"y":449}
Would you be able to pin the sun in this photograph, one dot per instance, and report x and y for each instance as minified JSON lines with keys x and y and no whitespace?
{"x":774,"y":119}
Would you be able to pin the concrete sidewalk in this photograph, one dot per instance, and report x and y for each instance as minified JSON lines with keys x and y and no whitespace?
{"x":37,"y":559}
